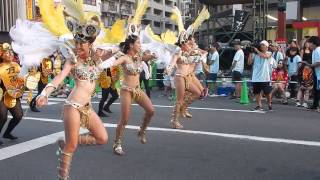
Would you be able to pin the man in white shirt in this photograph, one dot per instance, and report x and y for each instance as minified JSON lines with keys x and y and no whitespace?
{"x":237,"y":68}
{"x":213,"y":62}
{"x":261,"y":79}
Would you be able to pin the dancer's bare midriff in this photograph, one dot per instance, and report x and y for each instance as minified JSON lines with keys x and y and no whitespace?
{"x":82,"y":92}
{"x":182,"y":69}
{"x":131,"y":80}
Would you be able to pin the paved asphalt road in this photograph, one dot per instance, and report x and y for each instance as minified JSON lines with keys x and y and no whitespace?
{"x":223,"y":141}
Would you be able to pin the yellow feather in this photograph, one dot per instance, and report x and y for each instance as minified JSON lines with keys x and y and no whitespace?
{"x":169,"y":37}
{"x":116,"y":34}
{"x":177,"y":18}
{"x":89,"y":15}
{"x":203,"y":15}
{"x":52,"y":17}
{"x":74,"y":8}
{"x":151,"y":34}
{"x":140,"y":11}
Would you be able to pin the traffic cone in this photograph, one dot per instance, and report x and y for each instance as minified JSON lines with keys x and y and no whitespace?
{"x":244,"y":98}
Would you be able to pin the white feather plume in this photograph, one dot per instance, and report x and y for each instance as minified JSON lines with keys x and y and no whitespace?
{"x":32,"y":42}
{"x":164,"y":52}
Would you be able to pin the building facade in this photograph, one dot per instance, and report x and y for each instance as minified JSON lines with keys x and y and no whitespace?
{"x":157,"y":15}
{"x":8,"y":16}
{"x":92,"y":6}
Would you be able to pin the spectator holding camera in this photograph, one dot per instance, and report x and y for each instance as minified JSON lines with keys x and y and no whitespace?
{"x":237,"y":68}
{"x":261,"y":79}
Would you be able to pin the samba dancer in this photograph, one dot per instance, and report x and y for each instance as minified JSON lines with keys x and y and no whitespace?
{"x":85,"y":68}
{"x":197,"y":55}
{"x":187,"y":87}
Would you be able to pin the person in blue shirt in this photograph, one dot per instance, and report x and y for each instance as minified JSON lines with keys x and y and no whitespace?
{"x":213,"y":62}
{"x":315,"y":46}
{"x":294,"y":62}
{"x":261,"y":79}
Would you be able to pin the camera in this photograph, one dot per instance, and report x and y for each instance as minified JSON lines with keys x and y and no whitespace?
{"x":250,"y":47}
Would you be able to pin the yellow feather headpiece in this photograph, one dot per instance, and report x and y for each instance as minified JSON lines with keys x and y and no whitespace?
{"x":203,"y":15}
{"x":177,"y":18}
{"x":168,"y":37}
{"x":52,"y":17}
{"x":135,"y":22}
{"x":70,"y":17}
{"x":116,"y":34}
{"x":74,"y":8}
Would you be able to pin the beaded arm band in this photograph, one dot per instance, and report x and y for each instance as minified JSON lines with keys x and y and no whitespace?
{"x":110,"y":62}
{"x":44,"y":93}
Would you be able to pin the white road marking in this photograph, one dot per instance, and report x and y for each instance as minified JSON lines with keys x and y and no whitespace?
{"x":33,"y":144}
{"x":49,"y":103}
{"x":226,"y":135}
{"x":164,"y":106}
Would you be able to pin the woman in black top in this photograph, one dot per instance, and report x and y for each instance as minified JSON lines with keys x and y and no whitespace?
{"x":306,"y":53}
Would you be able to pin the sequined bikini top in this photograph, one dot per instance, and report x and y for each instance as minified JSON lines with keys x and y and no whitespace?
{"x":195,"y":56}
{"x":135,"y":67}
{"x":86,"y":73}
{"x":185,"y":59}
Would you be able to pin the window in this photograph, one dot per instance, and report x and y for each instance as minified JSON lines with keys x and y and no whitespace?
{"x":157,"y":12}
{"x":90,"y":2}
{"x":168,"y":26}
{"x":168,"y":14}
{"x":126,"y":8}
{"x":157,"y":24}
{"x":112,"y":6}
{"x":221,"y":8}
{"x":146,"y":22}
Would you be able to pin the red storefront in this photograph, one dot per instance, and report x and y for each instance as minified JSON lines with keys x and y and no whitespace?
{"x":307,"y":24}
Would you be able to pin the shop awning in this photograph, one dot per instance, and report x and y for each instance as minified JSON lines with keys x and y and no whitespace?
{"x":306,"y":24}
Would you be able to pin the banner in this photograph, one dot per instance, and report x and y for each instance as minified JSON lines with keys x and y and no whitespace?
{"x":240,"y":20}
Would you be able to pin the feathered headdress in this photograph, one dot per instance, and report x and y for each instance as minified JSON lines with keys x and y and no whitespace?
{"x":6,"y":47}
{"x":69,"y":17}
{"x":83,"y":29}
{"x":52,"y":17}
{"x":135,"y":23}
{"x":177,"y":18}
{"x":168,"y":37}
{"x":203,"y":15}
